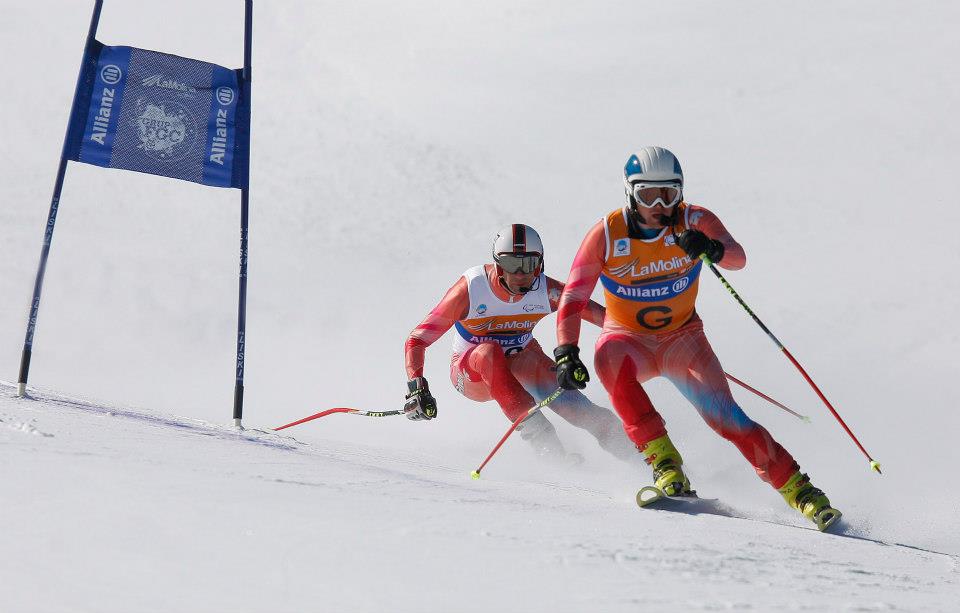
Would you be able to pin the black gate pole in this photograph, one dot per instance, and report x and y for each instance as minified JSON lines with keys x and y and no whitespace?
{"x":244,"y":220}
{"x":52,"y":216}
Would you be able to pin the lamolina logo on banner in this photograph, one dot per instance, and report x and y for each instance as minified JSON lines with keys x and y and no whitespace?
{"x":160,"y":81}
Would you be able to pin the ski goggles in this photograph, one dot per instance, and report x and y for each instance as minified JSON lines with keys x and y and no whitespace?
{"x":519,"y":262}
{"x":649,"y":196}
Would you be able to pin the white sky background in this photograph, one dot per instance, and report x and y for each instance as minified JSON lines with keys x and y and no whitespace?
{"x":391,"y":141}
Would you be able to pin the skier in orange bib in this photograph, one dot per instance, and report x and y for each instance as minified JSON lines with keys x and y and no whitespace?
{"x":647,"y":256}
{"x":494,"y":308}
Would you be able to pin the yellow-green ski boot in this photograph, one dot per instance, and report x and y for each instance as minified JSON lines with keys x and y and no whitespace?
{"x":812,"y":502}
{"x":665,"y":460}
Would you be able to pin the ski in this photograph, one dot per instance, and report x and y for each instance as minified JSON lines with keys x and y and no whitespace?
{"x":653,"y":497}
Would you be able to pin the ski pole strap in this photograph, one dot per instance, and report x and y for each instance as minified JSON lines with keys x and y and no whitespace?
{"x":347,"y":410}
{"x":556,"y":394}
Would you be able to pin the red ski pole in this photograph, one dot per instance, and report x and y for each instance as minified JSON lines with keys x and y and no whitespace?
{"x":767,"y":398}
{"x":340,"y":410}
{"x":873,"y":463}
{"x":556,"y":394}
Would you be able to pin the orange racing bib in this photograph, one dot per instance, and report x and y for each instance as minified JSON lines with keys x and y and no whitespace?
{"x":650,"y":285}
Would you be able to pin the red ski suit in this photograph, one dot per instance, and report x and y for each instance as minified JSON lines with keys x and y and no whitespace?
{"x":516,"y":379}
{"x":652,"y":329}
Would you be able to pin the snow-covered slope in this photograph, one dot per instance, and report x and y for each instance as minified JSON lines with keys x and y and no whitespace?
{"x":391,"y":141}
{"x":112,"y":509}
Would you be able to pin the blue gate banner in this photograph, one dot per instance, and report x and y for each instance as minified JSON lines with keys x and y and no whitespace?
{"x":161,"y":114}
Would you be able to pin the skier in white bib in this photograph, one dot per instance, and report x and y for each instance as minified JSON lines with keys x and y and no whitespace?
{"x":494,"y":308}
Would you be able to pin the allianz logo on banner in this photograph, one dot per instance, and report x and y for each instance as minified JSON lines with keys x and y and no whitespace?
{"x":111,"y":74}
{"x":225,"y":95}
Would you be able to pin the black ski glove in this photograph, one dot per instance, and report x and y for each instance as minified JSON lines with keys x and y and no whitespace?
{"x":420,"y":404}
{"x":696,"y":243}
{"x":571,"y":373}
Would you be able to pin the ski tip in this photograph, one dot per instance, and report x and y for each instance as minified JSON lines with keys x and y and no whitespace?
{"x":475,"y":474}
{"x":827,"y":517}
{"x":875,"y":466}
{"x":648,"y":495}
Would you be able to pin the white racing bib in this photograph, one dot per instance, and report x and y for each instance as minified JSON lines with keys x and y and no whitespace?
{"x":490,"y":319}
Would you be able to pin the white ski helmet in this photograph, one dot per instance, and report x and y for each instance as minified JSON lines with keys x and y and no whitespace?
{"x":518,"y":248}
{"x":654,"y":165}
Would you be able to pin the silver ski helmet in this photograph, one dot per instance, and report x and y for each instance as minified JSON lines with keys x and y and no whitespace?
{"x":518,"y":248}
{"x":653,"y":166}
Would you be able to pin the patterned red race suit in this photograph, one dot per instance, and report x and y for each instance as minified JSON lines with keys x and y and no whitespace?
{"x":497,"y":358}
{"x":651,"y":329}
